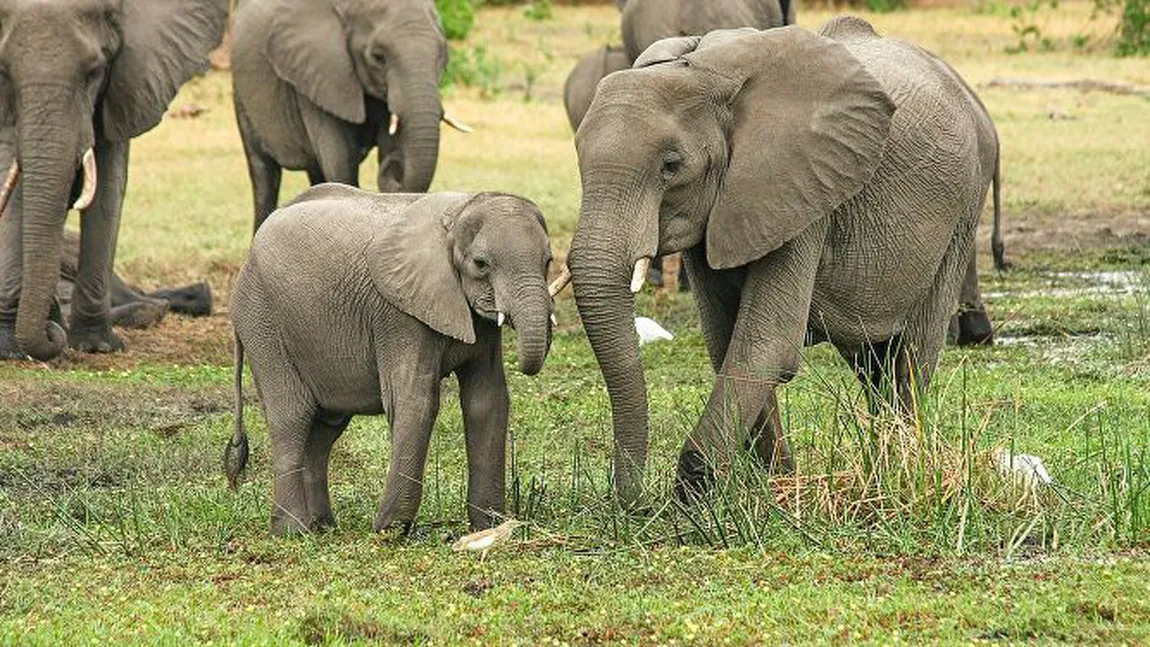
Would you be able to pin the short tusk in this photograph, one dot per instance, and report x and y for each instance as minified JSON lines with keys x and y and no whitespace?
{"x":499,"y":318}
{"x":88,"y":193}
{"x":458,"y":125}
{"x":639,"y":277}
{"x":560,"y":282}
{"x":9,"y":185}
{"x":393,"y":125}
{"x":554,"y":321}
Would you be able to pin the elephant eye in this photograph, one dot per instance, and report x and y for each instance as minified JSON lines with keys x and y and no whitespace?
{"x":672,"y":164}
{"x":481,"y":265}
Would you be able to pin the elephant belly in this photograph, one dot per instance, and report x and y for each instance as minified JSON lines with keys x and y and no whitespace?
{"x":346,"y":385}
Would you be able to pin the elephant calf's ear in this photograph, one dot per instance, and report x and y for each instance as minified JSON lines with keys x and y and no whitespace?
{"x":412,"y":268}
{"x":809,"y":128}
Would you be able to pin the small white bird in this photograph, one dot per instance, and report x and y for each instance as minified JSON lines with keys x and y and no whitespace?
{"x":1027,"y":469}
{"x":484,"y":540}
{"x":649,"y":331}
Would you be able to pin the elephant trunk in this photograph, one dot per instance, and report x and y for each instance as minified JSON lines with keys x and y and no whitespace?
{"x":531,"y":315}
{"x":602,"y":263}
{"x":48,"y":146}
{"x":413,"y":99}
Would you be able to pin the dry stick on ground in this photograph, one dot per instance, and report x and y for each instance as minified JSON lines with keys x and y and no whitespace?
{"x":1086,"y":85}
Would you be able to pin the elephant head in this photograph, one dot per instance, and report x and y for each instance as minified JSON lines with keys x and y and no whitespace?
{"x":74,"y":72}
{"x":393,"y":52}
{"x":451,"y":254}
{"x":733,"y":142}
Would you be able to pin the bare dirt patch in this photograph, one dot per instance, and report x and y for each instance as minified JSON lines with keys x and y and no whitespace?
{"x":1028,"y":231}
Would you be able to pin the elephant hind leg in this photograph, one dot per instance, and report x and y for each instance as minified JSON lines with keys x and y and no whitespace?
{"x":926,"y":325}
{"x":326,"y":428}
{"x":288,"y":405}
{"x":883,"y":369}
{"x":971,"y":325}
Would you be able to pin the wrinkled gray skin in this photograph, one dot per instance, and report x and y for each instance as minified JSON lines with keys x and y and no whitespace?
{"x":646,"y":21}
{"x":78,"y":75}
{"x":131,"y":307}
{"x":356,"y":303}
{"x":316,"y":82}
{"x":584,"y":78}
{"x":822,"y":187}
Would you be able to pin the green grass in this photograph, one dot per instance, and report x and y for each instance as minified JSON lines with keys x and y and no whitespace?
{"x":116,"y":524}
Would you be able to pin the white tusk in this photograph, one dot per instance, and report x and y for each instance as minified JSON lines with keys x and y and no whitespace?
{"x":560,"y":282}
{"x":639,"y":277}
{"x":9,"y":185}
{"x":88,"y":193}
{"x":458,"y":125}
{"x":393,"y":125}
{"x":554,"y":321}
{"x":499,"y":317}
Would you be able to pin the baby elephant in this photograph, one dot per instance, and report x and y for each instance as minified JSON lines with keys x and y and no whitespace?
{"x":358,"y":303}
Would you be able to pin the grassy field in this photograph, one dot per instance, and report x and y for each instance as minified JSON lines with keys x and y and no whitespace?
{"x":116,"y":524}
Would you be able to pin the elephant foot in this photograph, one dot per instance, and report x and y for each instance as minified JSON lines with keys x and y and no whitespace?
{"x":389,"y":522}
{"x":94,"y":337}
{"x":323,"y":522}
{"x":284,"y":525}
{"x":141,"y":314}
{"x":194,"y":300}
{"x":694,"y":477}
{"x":974,"y":329}
{"x":9,"y":349}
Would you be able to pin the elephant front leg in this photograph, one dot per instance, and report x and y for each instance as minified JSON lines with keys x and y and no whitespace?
{"x":11,"y":268}
{"x":742,"y":411}
{"x":415,"y":410}
{"x":91,"y":326}
{"x":484,"y":400}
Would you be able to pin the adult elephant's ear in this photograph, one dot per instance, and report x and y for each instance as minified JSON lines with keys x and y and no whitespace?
{"x":410,"y":258}
{"x":667,"y":50}
{"x":808,"y":128}
{"x":307,"y":49}
{"x":165,"y":43}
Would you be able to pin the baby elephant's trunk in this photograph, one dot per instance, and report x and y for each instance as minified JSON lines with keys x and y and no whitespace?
{"x":236,"y":453}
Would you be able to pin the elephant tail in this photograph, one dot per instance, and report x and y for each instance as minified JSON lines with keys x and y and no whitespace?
{"x":996,"y":245}
{"x":236,"y":453}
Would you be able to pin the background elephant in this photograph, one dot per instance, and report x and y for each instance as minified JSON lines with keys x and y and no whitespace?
{"x":849,"y":219}
{"x":131,"y":307}
{"x":646,"y":21}
{"x":319,"y":83}
{"x":79,"y":79}
{"x":357,"y":303}
{"x":585,"y":76}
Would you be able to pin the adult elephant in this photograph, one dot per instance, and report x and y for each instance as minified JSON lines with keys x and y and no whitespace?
{"x":821,"y":186}
{"x":319,"y":83}
{"x":646,"y":21}
{"x":78,"y":80}
{"x":579,"y":89}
